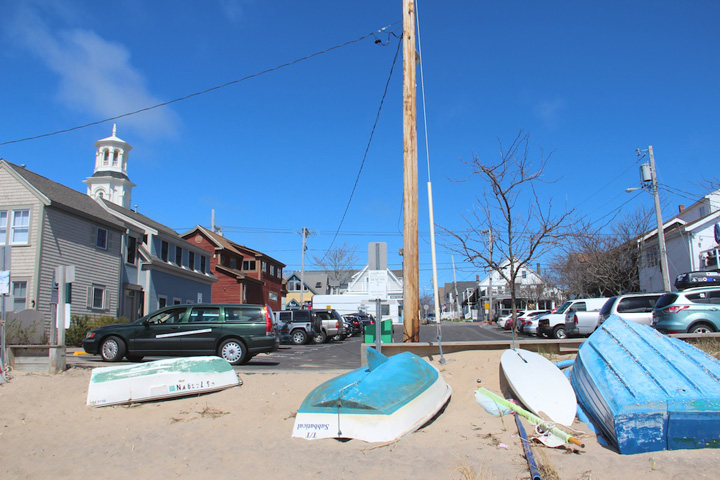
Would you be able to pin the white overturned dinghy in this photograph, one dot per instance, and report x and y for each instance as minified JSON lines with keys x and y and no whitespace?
{"x":160,"y":379}
{"x":389,"y":398}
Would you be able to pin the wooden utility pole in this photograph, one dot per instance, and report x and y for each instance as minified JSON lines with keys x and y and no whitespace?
{"x":411,"y":281}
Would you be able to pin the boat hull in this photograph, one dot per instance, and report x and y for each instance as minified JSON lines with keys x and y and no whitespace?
{"x":646,"y":392}
{"x":374,"y":405}
{"x":158,"y":380}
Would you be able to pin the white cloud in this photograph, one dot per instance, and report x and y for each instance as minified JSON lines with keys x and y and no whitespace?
{"x":549,"y":112}
{"x":96,"y":76}
{"x":233,"y":10}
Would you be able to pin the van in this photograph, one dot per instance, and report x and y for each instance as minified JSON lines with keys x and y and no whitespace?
{"x":553,"y":324}
{"x":634,"y":307}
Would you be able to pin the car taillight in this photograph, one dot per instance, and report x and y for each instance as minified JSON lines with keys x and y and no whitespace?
{"x":675,"y":308}
{"x":575,"y":319}
{"x":268,"y":321}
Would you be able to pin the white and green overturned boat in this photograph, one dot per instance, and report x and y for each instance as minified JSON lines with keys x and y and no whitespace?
{"x":160,"y":379}
{"x":389,"y":398}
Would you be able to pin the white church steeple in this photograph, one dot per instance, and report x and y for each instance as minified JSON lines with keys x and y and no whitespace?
{"x":110,"y":180}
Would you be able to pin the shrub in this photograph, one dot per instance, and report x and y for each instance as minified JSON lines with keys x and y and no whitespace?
{"x":81,"y":324}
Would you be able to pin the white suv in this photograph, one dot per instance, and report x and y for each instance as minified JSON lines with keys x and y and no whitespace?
{"x":634,"y":307}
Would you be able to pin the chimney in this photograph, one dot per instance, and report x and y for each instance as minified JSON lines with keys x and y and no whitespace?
{"x":681,"y":208}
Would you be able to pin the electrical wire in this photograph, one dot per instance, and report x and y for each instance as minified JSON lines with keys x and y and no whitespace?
{"x":208,"y":90}
{"x":367,"y":148}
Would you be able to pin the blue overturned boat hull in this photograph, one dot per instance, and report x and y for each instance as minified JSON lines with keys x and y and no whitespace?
{"x":389,"y":398}
{"x":646,"y":392}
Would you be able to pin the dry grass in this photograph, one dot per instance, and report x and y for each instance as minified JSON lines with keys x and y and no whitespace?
{"x":709,"y":345}
{"x":468,"y":473}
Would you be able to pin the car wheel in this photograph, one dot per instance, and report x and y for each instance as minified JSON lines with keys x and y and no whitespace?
{"x":701,"y":328}
{"x":559,"y":332}
{"x":112,"y":349}
{"x":339,"y":337}
{"x":233,"y":351}
{"x":320,"y":337}
{"x":299,"y":337}
{"x":134,"y":358}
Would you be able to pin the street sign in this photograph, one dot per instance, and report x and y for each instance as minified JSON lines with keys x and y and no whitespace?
{"x":377,"y":284}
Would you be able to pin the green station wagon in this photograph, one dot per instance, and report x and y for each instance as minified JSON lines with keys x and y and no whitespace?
{"x":233,"y":332}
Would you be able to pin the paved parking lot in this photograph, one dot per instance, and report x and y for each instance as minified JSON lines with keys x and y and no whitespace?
{"x":344,"y":355}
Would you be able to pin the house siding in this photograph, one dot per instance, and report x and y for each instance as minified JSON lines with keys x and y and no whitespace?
{"x":172,"y":286}
{"x":14,"y":195}
{"x":70,"y":240}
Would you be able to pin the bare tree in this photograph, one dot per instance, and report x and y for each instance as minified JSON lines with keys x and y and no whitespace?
{"x":597,"y":263}
{"x":338,"y":263}
{"x":521,"y":226}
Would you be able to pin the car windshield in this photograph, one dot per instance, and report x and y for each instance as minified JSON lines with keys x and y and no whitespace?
{"x":563,"y":307}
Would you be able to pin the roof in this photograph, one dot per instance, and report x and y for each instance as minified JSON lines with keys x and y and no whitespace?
{"x":64,"y":197}
{"x":223,"y":242}
{"x":140,"y":218}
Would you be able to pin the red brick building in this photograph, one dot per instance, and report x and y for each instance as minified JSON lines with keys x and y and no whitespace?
{"x":244,"y":275}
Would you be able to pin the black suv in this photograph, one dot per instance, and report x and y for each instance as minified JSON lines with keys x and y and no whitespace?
{"x":234,"y":332}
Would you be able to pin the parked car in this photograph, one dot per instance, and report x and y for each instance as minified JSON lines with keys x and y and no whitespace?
{"x":333,"y":326}
{"x":581,"y":323}
{"x":695,"y":310}
{"x":353,"y":325}
{"x":503,"y":321}
{"x":522,"y":316}
{"x":634,"y":307}
{"x":365,"y":319}
{"x":234,"y":332}
{"x":552,"y":325}
{"x":297,"y":326}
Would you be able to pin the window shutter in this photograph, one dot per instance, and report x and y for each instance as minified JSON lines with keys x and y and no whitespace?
{"x":89,"y":297}
{"x":106,"y":299}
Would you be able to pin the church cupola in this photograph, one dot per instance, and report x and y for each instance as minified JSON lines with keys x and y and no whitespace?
{"x":110,"y":180}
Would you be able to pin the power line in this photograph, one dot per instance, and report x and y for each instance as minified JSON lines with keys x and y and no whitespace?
{"x":208,"y":90}
{"x":367,"y":147}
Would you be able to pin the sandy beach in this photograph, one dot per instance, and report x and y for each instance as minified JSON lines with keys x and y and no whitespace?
{"x":47,"y":431}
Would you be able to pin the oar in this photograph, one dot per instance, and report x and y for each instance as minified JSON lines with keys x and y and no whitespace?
{"x":534,"y":419}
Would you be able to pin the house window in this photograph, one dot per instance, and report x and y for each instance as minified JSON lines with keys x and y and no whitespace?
{"x":293,"y":286}
{"x":101,"y":240}
{"x":524,"y":274}
{"x":191,"y":260}
{"x":19,"y":292}
{"x":272,"y":270}
{"x":131,"y":249}
{"x":177,"y":301}
{"x":178,"y":256}
{"x":162,"y":301}
{"x":264,"y":267}
{"x":203,"y":264}
{"x":3,"y":226}
{"x":20,"y":227}
{"x":97,"y":297}
{"x":164,"y":248}
{"x":233,"y":263}
{"x":249,"y":265}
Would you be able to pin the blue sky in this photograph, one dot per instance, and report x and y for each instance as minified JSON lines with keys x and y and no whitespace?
{"x":590,"y":82}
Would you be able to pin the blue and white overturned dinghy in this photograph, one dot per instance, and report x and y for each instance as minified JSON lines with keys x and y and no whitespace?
{"x":174,"y":377}
{"x":646,"y":392}
{"x":389,"y":398}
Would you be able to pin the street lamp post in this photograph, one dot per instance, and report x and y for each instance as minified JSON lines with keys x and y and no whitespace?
{"x":651,"y":185}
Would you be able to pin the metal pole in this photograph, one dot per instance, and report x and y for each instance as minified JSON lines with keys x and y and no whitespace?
{"x":378,"y":321}
{"x":302,"y":266}
{"x":658,"y":216}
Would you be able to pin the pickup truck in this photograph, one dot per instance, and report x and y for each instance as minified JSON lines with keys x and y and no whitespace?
{"x":581,"y":323}
{"x":552,"y":325}
{"x":298,"y":326}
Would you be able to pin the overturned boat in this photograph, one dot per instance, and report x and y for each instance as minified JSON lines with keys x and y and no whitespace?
{"x":646,"y":392}
{"x":160,"y":379}
{"x":389,"y":398}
